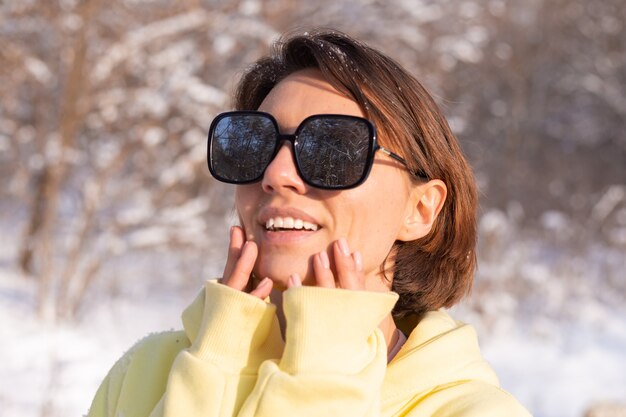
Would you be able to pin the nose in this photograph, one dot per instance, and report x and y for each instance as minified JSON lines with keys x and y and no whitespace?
{"x":281,"y":174}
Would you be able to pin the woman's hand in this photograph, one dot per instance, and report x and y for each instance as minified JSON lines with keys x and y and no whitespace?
{"x":241,"y":257}
{"x":350,"y":276}
{"x":348,"y":267}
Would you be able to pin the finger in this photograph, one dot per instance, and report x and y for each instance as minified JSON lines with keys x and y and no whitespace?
{"x":263,"y":289}
{"x":348,"y":275}
{"x":358,"y":261}
{"x":240,"y":275}
{"x":294,"y":281}
{"x":321,"y":268}
{"x":237,"y":239}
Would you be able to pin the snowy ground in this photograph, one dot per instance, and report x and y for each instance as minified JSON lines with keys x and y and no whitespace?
{"x":559,"y":368}
{"x":52,"y":369}
{"x":556,"y":367}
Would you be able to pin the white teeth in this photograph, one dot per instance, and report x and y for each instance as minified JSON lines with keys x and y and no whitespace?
{"x":309,"y":226}
{"x":289,"y":223}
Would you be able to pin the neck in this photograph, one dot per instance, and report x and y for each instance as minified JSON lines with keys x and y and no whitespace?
{"x":388,"y":327}
{"x":276,"y":297}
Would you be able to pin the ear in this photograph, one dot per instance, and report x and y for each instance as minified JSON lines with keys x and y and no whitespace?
{"x":425,"y":203}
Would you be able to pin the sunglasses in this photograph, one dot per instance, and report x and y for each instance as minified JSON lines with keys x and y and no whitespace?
{"x":331,"y":152}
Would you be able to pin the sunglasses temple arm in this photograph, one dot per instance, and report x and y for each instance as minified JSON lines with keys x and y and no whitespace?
{"x":420,"y":174}
{"x":393,"y":155}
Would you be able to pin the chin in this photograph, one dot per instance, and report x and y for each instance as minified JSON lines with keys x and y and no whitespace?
{"x":280,"y":271}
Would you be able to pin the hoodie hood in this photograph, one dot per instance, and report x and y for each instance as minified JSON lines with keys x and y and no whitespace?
{"x":444,"y":351}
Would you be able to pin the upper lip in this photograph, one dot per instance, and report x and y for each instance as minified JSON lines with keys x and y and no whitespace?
{"x":271,"y":212}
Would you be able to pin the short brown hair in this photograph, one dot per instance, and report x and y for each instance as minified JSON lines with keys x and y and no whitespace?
{"x":428,"y":273}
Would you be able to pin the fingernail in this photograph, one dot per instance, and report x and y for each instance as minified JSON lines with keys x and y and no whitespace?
{"x":324,"y":258}
{"x":295,"y":280}
{"x":263,"y":282}
{"x":358,"y":261}
{"x":343,"y":246}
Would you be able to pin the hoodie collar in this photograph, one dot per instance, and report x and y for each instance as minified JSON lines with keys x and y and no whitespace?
{"x":444,"y":350}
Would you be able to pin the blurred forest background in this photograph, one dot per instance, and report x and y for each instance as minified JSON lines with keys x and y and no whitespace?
{"x":106,"y":202}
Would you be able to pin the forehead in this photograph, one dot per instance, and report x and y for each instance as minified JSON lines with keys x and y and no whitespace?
{"x":305,"y":93}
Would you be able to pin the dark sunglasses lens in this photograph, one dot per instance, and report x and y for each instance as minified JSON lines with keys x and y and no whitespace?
{"x":242,"y":147}
{"x":333,"y":152}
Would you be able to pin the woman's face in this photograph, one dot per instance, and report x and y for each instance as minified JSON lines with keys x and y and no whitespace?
{"x":370,"y":216}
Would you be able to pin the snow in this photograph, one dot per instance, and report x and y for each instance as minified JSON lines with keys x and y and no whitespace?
{"x":223,"y":44}
{"x":250,"y":7}
{"x":138,"y":38}
{"x":189,"y":210}
{"x":150,"y":236}
{"x":461,"y":49}
{"x":39,"y":70}
{"x":423,"y":13}
{"x":154,"y":136}
{"x":566,"y":375}
{"x":58,"y":366}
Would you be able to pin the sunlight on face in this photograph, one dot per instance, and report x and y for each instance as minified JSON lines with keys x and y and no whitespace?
{"x":369,"y":216}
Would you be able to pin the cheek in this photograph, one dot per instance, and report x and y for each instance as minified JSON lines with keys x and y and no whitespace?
{"x":376,"y":220}
{"x":383,"y":204}
{"x":245,"y":202}
{"x":379,"y":214}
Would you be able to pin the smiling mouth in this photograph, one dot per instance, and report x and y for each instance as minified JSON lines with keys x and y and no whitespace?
{"x":281,"y":224}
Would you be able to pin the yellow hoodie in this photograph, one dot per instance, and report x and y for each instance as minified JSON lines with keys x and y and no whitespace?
{"x":230,"y":360}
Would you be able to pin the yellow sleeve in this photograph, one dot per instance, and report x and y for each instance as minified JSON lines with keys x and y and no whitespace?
{"x":214,"y":376}
{"x":334,"y":360}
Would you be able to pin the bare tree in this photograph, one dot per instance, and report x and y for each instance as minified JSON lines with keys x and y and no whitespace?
{"x":120,"y":152}
{"x":105,"y":107}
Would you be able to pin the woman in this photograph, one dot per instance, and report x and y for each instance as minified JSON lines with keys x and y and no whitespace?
{"x":357,"y":220}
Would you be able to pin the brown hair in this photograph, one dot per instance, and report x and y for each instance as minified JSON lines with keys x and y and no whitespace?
{"x":428,"y":273}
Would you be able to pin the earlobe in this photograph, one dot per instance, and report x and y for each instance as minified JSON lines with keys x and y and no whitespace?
{"x":423,"y":207}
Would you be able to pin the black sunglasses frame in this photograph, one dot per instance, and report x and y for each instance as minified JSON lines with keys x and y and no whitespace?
{"x":373,"y":146}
